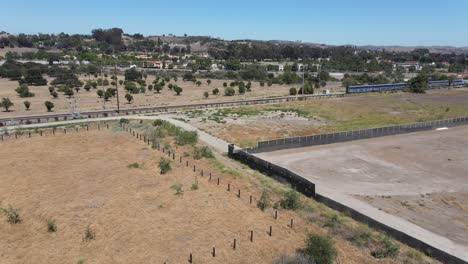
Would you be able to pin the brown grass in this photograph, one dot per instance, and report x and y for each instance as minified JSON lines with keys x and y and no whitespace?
{"x":83,"y":179}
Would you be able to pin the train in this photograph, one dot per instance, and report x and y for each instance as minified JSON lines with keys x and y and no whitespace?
{"x":400,"y":86}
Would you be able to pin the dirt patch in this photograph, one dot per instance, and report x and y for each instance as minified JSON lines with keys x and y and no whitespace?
{"x":432,"y":211}
{"x":84,"y":179}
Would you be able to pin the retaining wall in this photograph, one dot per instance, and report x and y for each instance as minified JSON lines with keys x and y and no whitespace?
{"x":277,"y":172}
{"x":321,"y":139}
{"x":308,"y":188}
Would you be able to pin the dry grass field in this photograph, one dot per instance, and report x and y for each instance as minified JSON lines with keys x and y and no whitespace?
{"x":89,"y":101}
{"x":84,"y":179}
{"x":246,"y":125}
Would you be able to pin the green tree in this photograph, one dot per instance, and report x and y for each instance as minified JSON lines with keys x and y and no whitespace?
{"x":49,"y":105}
{"x":54,"y":94}
{"x":157,"y":87}
{"x":208,"y":81}
{"x":206,"y":94}
{"x":23,"y":91}
{"x":69,"y":92}
{"x":178,"y":89}
{"x":100,"y":93}
{"x":229,"y":91}
{"x":27,"y":105}
{"x":6,"y":103}
{"x":215,"y":91}
{"x":129,"y":98}
{"x":292,"y":91}
{"x":418,"y":84}
{"x":198,"y":83}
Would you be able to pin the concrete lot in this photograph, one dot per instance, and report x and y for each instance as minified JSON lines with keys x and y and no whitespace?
{"x":419,"y":177}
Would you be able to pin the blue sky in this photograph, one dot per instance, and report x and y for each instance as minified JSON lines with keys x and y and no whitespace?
{"x":360,"y":22}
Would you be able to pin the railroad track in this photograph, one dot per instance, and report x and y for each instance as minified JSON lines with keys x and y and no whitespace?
{"x":157,"y":109}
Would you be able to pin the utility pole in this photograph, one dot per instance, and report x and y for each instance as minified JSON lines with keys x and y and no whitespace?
{"x":116,"y":87}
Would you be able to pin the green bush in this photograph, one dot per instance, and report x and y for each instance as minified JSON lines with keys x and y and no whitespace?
{"x":320,"y":249}
{"x":292,"y":91}
{"x":51,"y":226}
{"x":291,"y":200}
{"x":202,"y":152}
{"x":124,"y":121}
{"x":229,"y":91}
{"x":12,"y":215}
{"x":134,"y":165}
{"x":157,"y":122}
{"x":195,"y":184}
{"x":178,"y":189}
{"x":386,"y":248}
{"x":184,"y":137}
{"x":164,"y":165}
{"x":362,"y":237}
{"x":264,"y":202}
{"x":89,"y":234}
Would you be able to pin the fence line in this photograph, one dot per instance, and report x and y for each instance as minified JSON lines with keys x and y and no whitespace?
{"x":161,"y":109}
{"x":330,"y":138}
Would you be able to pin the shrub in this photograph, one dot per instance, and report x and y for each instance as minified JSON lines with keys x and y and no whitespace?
{"x":184,"y":137}
{"x":292,"y":91}
{"x":320,"y":249}
{"x":241,"y":88}
{"x":229,"y":91}
{"x":202,"y":152}
{"x":129,"y":98}
{"x":12,"y":215}
{"x":215,"y":91}
{"x":198,"y":83}
{"x":264,"y":202}
{"x":134,"y":165}
{"x":6,"y":103}
{"x":361,"y":237}
{"x":206,"y":95}
{"x":89,"y":234}
{"x":51,"y":226}
{"x":225,"y":84}
{"x":49,"y":105}
{"x":164,"y":165}
{"x":332,"y":220}
{"x":291,"y":200}
{"x":157,"y":122}
{"x":124,"y":121}
{"x":54,"y":94}
{"x":23,"y":91}
{"x":27,"y":105}
{"x":386,"y":248}
{"x":195,"y":184}
{"x":178,"y":89}
{"x":100,"y":93}
{"x":178,"y":189}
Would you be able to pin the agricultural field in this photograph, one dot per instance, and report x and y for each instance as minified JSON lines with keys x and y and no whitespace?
{"x":107,"y":197}
{"x":244,"y":126}
{"x":89,"y":101}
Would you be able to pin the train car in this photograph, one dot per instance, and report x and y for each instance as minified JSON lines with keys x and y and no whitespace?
{"x":375,"y":88}
{"x":400,"y":86}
